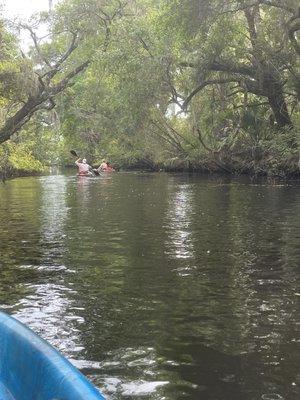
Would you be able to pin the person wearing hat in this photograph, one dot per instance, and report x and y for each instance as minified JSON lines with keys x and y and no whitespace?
{"x":84,"y":169}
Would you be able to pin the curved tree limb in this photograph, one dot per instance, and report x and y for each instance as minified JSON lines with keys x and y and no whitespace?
{"x":37,"y":102}
{"x":43,"y":97}
{"x":37,"y":45}
{"x":202,"y":86}
{"x":277,"y":4}
{"x":55,"y":68}
{"x":66,"y":81}
{"x":294,"y":26}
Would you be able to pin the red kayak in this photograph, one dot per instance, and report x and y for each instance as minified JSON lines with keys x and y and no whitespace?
{"x":84,"y":174}
{"x":108,"y":169}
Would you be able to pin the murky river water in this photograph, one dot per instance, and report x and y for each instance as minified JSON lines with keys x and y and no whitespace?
{"x":159,"y":286}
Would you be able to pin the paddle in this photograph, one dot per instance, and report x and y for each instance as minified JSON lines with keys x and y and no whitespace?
{"x":75,"y":154}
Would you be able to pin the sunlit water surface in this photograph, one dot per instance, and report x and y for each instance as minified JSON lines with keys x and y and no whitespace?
{"x":159,"y":286}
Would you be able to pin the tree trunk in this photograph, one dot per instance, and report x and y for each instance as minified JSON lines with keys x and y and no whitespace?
{"x":278,"y":105}
{"x":14,"y":123}
{"x":268,"y":77}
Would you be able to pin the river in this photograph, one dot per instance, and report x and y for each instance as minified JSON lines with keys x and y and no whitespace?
{"x":159,"y":286}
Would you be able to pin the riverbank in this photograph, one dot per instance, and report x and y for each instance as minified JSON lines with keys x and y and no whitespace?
{"x":254,"y":162}
{"x":15,"y":173}
{"x":211,"y":167}
{"x":228,"y":165}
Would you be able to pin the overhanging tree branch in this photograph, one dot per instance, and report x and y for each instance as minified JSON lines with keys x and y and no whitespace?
{"x":294,"y":26}
{"x":42,"y":99}
{"x":33,"y":104}
{"x":37,"y":45}
{"x":46,"y":90}
{"x":241,"y":69}
{"x":202,"y":86}
{"x":67,"y":80}
{"x":55,"y":68}
{"x":270,"y":3}
{"x":277,"y":4}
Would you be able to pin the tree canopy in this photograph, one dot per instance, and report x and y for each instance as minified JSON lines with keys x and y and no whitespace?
{"x":164,"y":83}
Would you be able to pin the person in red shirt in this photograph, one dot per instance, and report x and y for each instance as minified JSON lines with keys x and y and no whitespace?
{"x":109,"y":168}
{"x":105,"y":167}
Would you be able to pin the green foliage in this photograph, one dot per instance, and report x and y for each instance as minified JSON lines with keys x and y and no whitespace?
{"x":21,"y":158}
{"x":18,"y":158}
{"x":225,"y":61}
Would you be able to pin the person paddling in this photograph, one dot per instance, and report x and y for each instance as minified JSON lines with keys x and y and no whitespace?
{"x":102,"y":166}
{"x":109,"y":168}
{"x":84,"y":169}
{"x":105,"y":167}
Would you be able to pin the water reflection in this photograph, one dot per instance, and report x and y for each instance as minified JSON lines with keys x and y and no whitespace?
{"x":141,"y":365}
{"x":179,"y":217}
{"x":53,"y":213}
{"x":50,"y":303}
{"x":50,"y":299}
{"x":158,"y":286}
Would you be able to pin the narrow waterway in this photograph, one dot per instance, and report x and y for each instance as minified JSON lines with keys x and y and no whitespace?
{"x":159,"y":286}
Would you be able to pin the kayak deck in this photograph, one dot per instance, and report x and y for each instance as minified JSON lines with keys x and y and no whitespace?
{"x":4,"y":393}
{"x":31,"y":369}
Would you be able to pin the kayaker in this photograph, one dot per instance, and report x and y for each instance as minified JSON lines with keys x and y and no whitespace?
{"x":102,"y":166}
{"x":105,"y":167}
{"x":84,"y":169}
{"x":109,"y":168}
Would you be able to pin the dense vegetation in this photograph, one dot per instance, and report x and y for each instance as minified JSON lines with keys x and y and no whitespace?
{"x":201,"y":84}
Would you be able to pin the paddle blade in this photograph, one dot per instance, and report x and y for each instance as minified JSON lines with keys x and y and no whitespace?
{"x":73,"y":152}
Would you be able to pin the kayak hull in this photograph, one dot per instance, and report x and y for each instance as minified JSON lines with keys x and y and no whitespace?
{"x":31,"y":369}
{"x":85,"y":175}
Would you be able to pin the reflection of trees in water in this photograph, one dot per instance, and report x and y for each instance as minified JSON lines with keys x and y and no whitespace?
{"x":241,"y":293}
{"x":115,"y":279}
{"x":179,"y":218}
{"x":263,"y":285}
{"x":202,"y":314}
{"x":50,"y":312}
{"x":49,"y":308}
{"x":248,"y":308}
{"x":177,"y":281}
{"x":54,"y":212}
{"x":19,"y":236}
